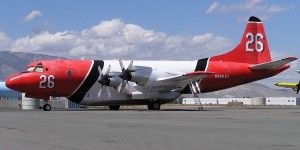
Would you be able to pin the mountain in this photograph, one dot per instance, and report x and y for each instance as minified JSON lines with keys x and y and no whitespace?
{"x":14,"y":62}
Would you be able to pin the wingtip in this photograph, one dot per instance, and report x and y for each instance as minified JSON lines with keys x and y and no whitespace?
{"x":291,"y":58}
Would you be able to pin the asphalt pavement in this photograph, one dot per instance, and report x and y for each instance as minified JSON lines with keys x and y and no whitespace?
{"x":140,"y":129}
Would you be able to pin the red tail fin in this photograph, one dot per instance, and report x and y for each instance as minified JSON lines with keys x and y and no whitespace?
{"x":253,"y":47}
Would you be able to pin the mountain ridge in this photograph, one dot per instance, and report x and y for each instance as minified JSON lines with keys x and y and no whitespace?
{"x":14,"y":62}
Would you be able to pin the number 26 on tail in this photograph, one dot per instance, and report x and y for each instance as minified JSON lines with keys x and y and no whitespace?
{"x":256,"y":40}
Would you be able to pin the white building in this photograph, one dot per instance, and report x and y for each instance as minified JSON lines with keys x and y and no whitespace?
{"x":206,"y":101}
{"x":217,"y":101}
{"x":246,"y":101}
{"x":281,"y":101}
{"x":224,"y":101}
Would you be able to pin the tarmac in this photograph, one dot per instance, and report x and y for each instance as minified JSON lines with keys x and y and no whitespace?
{"x":141,"y":129}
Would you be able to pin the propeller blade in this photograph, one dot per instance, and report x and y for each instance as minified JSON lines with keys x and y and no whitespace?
{"x":108,"y":92}
{"x":130,"y":65}
{"x":129,"y":87}
{"x":298,"y":87}
{"x":120,"y":87}
{"x":104,"y":81}
{"x":100,"y":70}
{"x":108,"y":70}
{"x":122,"y":65}
{"x":99,"y":93}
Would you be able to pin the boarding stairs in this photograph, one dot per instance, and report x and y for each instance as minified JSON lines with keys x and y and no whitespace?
{"x":195,"y":89}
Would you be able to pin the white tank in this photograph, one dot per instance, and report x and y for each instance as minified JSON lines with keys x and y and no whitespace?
{"x":259,"y":101}
{"x":30,"y":103}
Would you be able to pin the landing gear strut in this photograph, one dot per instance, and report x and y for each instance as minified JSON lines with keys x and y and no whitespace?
{"x":154,"y":106}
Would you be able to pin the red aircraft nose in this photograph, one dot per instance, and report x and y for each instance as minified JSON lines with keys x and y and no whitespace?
{"x":15,"y":82}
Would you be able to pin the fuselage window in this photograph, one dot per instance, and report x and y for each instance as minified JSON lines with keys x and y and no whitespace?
{"x":69,"y":73}
{"x":39,"y":69}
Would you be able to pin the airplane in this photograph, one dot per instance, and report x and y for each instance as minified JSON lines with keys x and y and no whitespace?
{"x":292,"y":85}
{"x":149,"y":83}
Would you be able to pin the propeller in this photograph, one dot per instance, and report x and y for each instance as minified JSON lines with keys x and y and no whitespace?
{"x":298,"y":87}
{"x":125,"y":75}
{"x":104,"y":81}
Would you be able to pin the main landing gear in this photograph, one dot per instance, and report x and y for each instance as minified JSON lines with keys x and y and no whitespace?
{"x":114,"y":107}
{"x":154,"y":106}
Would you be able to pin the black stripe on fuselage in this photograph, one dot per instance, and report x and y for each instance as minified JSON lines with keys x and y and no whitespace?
{"x":201,"y":66}
{"x":88,"y":83}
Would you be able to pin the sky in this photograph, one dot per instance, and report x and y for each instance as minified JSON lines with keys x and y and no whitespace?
{"x":150,"y":30}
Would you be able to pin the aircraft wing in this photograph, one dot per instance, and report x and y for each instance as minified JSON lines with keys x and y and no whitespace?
{"x":287,"y":85}
{"x":273,"y":64}
{"x":185,"y":78}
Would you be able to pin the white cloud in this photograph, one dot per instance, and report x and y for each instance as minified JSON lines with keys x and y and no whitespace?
{"x":32,"y":15}
{"x":278,"y":8}
{"x":4,"y":41}
{"x":212,"y":7}
{"x":116,"y":39}
{"x":256,"y":7}
{"x":107,"y":28}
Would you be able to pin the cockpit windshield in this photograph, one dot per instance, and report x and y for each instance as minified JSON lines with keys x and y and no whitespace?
{"x":35,"y":69}
{"x":30,"y":68}
{"x":39,"y":69}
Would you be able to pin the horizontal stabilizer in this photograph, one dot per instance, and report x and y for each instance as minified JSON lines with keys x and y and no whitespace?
{"x":187,"y":77}
{"x":273,"y":64}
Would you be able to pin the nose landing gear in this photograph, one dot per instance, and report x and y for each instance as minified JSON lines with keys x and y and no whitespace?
{"x":47,"y":107}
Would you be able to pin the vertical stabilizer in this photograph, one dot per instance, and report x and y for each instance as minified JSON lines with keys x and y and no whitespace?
{"x":253,"y":47}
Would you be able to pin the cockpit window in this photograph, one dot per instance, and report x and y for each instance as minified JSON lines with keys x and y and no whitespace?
{"x":39,"y":69}
{"x":34,"y":69}
{"x":30,"y":68}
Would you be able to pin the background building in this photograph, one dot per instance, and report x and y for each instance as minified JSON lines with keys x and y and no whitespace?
{"x":292,"y":101}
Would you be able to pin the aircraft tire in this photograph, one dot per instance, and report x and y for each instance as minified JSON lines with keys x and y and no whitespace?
{"x":154,"y":106}
{"x":114,"y":107}
{"x":47,"y":107}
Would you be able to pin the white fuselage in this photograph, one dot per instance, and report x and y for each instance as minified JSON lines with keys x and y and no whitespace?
{"x":162,"y":67}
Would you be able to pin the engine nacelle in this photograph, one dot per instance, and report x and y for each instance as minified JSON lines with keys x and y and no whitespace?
{"x":114,"y":78}
{"x":140,"y":74}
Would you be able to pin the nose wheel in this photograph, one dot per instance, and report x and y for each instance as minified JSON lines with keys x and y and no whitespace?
{"x":47,"y":107}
